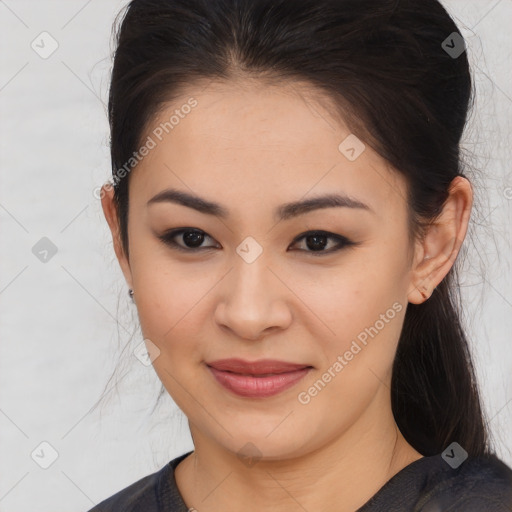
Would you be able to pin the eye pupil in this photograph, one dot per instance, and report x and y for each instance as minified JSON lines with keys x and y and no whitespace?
{"x":316,"y":245}
{"x":193,"y":237}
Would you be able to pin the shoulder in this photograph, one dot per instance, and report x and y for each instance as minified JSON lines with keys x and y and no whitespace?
{"x":153,"y":493}
{"x":431,"y":484}
{"x":478,"y":484}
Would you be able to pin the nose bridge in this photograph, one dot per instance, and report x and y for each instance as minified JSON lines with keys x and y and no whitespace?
{"x":248,"y":281}
{"x":250,"y":303}
{"x":250,"y":272}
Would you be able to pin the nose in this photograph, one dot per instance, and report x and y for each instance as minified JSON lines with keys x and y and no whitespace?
{"x":253,"y":301}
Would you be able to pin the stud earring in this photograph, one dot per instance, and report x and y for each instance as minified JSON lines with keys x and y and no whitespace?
{"x":130,"y":293}
{"x":425,"y":292}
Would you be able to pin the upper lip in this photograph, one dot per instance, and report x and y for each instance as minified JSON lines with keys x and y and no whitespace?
{"x":256,"y":367}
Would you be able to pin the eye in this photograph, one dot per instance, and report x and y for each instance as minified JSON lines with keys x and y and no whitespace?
{"x":192,"y":238}
{"x":316,"y":241}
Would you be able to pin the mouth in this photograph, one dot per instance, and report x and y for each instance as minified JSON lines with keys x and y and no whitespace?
{"x":258,"y":379}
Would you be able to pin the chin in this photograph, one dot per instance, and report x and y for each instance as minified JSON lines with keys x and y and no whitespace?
{"x":253,"y":445}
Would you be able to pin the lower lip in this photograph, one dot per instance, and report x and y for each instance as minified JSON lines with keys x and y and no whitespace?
{"x":258,"y":387}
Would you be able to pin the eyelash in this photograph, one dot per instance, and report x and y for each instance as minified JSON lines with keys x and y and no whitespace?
{"x":343,"y":242}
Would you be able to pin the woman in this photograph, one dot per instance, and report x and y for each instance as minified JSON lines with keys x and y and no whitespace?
{"x":288,"y":205}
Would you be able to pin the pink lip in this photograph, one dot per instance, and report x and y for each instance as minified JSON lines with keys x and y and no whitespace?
{"x":252,"y":379}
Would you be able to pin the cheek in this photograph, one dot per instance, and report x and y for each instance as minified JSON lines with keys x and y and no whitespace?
{"x":175,"y":314}
{"x":347,"y":298}
{"x":365,"y":313}
{"x":168,"y":314}
{"x":358,"y":316}
{"x":168,"y":305}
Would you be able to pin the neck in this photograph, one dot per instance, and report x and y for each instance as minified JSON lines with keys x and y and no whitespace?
{"x":341,"y":475}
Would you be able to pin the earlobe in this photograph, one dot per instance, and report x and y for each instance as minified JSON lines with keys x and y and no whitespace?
{"x":421,"y":286}
{"x":432,"y":270}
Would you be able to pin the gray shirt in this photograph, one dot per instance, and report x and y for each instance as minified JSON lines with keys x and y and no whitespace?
{"x":429,"y":484}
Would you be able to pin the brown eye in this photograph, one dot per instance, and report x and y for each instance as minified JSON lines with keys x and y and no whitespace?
{"x":317,"y":241}
{"x":190,"y":238}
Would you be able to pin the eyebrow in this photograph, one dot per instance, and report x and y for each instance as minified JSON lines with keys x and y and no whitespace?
{"x":283,"y":212}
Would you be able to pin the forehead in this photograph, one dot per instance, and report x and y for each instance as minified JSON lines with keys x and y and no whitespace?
{"x":248,"y":139}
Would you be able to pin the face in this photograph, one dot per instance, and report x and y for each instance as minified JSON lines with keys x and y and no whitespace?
{"x":252,"y":284}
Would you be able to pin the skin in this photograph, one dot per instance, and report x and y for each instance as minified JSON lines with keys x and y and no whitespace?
{"x":252,"y":147}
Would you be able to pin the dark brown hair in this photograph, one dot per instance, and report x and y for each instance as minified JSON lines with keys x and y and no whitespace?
{"x":383,"y":63}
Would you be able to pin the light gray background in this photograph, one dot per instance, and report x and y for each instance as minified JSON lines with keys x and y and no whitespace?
{"x":59,"y":336}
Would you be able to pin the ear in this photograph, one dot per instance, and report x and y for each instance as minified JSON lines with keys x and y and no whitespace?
{"x":110,"y":212}
{"x":437,"y":252}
